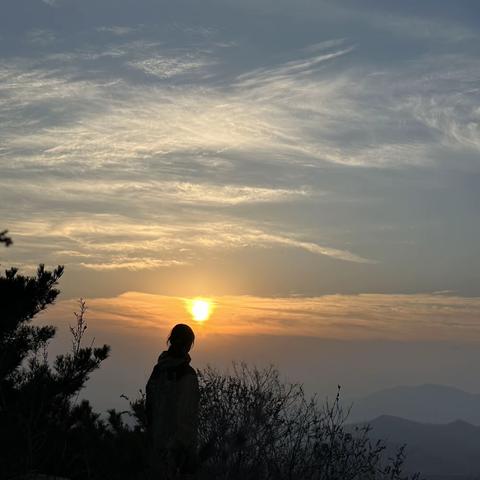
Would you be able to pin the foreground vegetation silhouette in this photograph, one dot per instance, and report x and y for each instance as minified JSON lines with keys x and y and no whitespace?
{"x":252,"y":425}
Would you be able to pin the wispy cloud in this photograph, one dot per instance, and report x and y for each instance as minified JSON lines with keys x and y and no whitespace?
{"x":166,"y":67}
{"x":118,"y":30}
{"x":106,"y":242}
{"x":260,"y":77}
{"x":294,"y":112}
{"x":263,"y":113}
{"x":41,"y":37}
{"x":447,"y":102}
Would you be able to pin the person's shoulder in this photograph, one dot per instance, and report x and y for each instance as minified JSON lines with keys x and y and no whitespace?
{"x":188,"y":370}
{"x":183,"y":371}
{"x":189,"y":379}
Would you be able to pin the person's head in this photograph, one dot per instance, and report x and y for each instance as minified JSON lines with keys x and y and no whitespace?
{"x":181,"y":339}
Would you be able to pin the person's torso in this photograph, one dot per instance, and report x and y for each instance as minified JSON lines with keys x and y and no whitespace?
{"x":164,"y":395}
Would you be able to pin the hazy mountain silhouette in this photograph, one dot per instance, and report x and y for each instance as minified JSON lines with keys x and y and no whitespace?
{"x":438,"y":451}
{"x":422,"y":403}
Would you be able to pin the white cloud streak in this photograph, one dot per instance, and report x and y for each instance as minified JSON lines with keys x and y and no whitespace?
{"x":294,"y":112}
{"x":106,"y":242}
{"x":166,"y":67}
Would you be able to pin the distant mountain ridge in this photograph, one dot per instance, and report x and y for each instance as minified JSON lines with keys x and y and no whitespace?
{"x":426,"y":403}
{"x":449,"y":451}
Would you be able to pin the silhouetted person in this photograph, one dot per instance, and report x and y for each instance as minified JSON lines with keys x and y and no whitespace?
{"x":172,"y":398}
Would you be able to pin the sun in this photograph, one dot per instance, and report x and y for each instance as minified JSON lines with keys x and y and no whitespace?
{"x":200,"y":308}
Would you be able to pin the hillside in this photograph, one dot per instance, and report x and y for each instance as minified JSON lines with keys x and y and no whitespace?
{"x":438,"y":451}
{"x":422,"y":403}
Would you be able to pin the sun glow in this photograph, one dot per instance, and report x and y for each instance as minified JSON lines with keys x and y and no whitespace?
{"x":201,"y":309}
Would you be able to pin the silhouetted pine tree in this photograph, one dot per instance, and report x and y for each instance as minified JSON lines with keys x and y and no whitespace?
{"x":5,"y":239}
{"x":37,"y":416}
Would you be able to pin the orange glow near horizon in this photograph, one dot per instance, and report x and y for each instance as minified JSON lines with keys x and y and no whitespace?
{"x":399,"y":317}
{"x":200,"y":309}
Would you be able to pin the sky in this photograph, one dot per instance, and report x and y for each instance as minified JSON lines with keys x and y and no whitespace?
{"x":311,"y":167}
